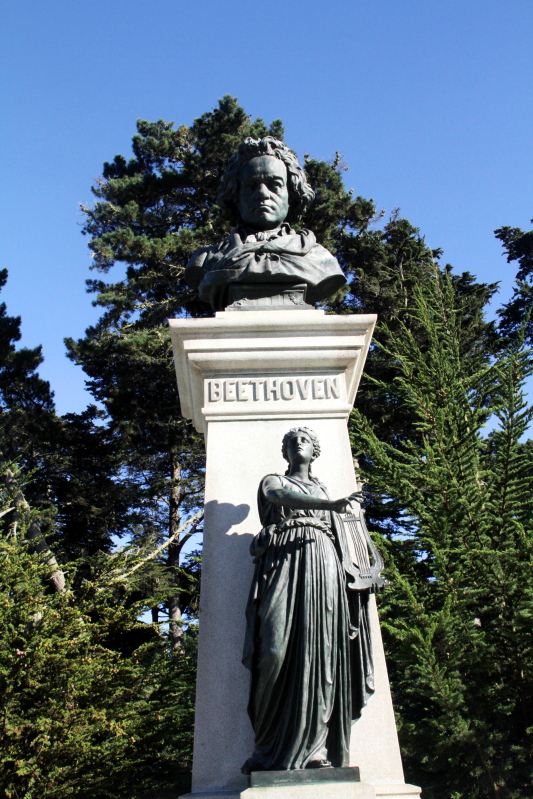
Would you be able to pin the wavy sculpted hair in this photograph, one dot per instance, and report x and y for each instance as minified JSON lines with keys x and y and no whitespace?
{"x":301,"y":195}
{"x":314,"y":440}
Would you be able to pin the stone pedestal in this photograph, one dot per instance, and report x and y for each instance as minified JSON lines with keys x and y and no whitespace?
{"x":245,"y":378}
{"x":332,"y":790}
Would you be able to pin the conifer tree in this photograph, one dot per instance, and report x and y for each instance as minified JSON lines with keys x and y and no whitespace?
{"x":82,"y":476}
{"x":518,"y":246}
{"x":72,"y":460}
{"x":457,"y":618}
{"x":92,"y":703}
{"x":26,"y":401}
{"x":384,"y":270}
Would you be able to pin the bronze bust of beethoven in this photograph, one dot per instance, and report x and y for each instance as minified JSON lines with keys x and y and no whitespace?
{"x":264,"y":262}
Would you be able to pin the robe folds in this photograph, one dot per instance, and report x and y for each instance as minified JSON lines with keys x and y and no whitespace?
{"x":307,"y":639}
{"x":279,"y":256}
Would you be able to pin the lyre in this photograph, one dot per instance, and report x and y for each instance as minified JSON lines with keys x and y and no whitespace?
{"x":365,"y":555}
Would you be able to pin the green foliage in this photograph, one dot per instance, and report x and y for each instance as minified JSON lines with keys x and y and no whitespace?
{"x":458,"y":616}
{"x":82,"y":477}
{"x":72,"y":460}
{"x":26,"y":402}
{"x":386,"y":269}
{"x":92,"y":703}
{"x":518,"y":246}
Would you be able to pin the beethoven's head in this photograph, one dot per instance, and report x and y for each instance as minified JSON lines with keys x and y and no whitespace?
{"x":262,"y":192}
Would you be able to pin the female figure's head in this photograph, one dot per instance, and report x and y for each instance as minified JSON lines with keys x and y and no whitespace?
{"x":300,"y":447}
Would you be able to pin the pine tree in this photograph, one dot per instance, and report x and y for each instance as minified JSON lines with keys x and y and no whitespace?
{"x":72,"y":460}
{"x":518,"y":246}
{"x":93,"y":505}
{"x":457,"y":618}
{"x":26,"y":401}
{"x":92,"y":703}
{"x":385,"y":268}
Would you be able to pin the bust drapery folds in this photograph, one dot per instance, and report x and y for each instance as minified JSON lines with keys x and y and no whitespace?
{"x":263,"y":190}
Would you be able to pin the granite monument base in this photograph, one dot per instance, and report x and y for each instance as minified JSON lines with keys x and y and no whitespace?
{"x":332,"y":790}
{"x":269,"y":779}
{"x":321,"y":790}
{"x":245,"y":379}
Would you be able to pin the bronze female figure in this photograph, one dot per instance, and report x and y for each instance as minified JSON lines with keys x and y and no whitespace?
{"x":308,"y":639}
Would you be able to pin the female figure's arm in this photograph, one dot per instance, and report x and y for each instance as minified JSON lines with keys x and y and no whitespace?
{"x":278,"y":495}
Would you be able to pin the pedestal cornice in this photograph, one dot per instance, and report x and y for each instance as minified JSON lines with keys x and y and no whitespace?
{"x":269,"y":364}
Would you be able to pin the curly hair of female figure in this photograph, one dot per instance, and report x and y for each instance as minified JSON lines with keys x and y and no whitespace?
{"x":313,"y":438}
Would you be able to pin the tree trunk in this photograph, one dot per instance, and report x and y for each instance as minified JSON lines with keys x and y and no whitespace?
{"x":174,"y":604}
{"x":57,"y":578}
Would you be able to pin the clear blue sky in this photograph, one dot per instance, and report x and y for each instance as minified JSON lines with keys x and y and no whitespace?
{"x":430,"y":103}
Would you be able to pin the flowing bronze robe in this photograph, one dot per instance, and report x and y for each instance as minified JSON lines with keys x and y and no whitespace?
{"x":308,"y":638}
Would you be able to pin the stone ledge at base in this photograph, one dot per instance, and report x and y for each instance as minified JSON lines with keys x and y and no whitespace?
{"x":305,"y":776}
{"x":327,"y":790}
{"x":397,"y":791}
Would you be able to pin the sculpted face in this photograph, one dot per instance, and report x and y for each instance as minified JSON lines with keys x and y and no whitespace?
{"x":263,"y":193}
{"x":299,"y":448}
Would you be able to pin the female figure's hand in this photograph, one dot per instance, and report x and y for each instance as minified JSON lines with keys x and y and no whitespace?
{"x":340,"y":505}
